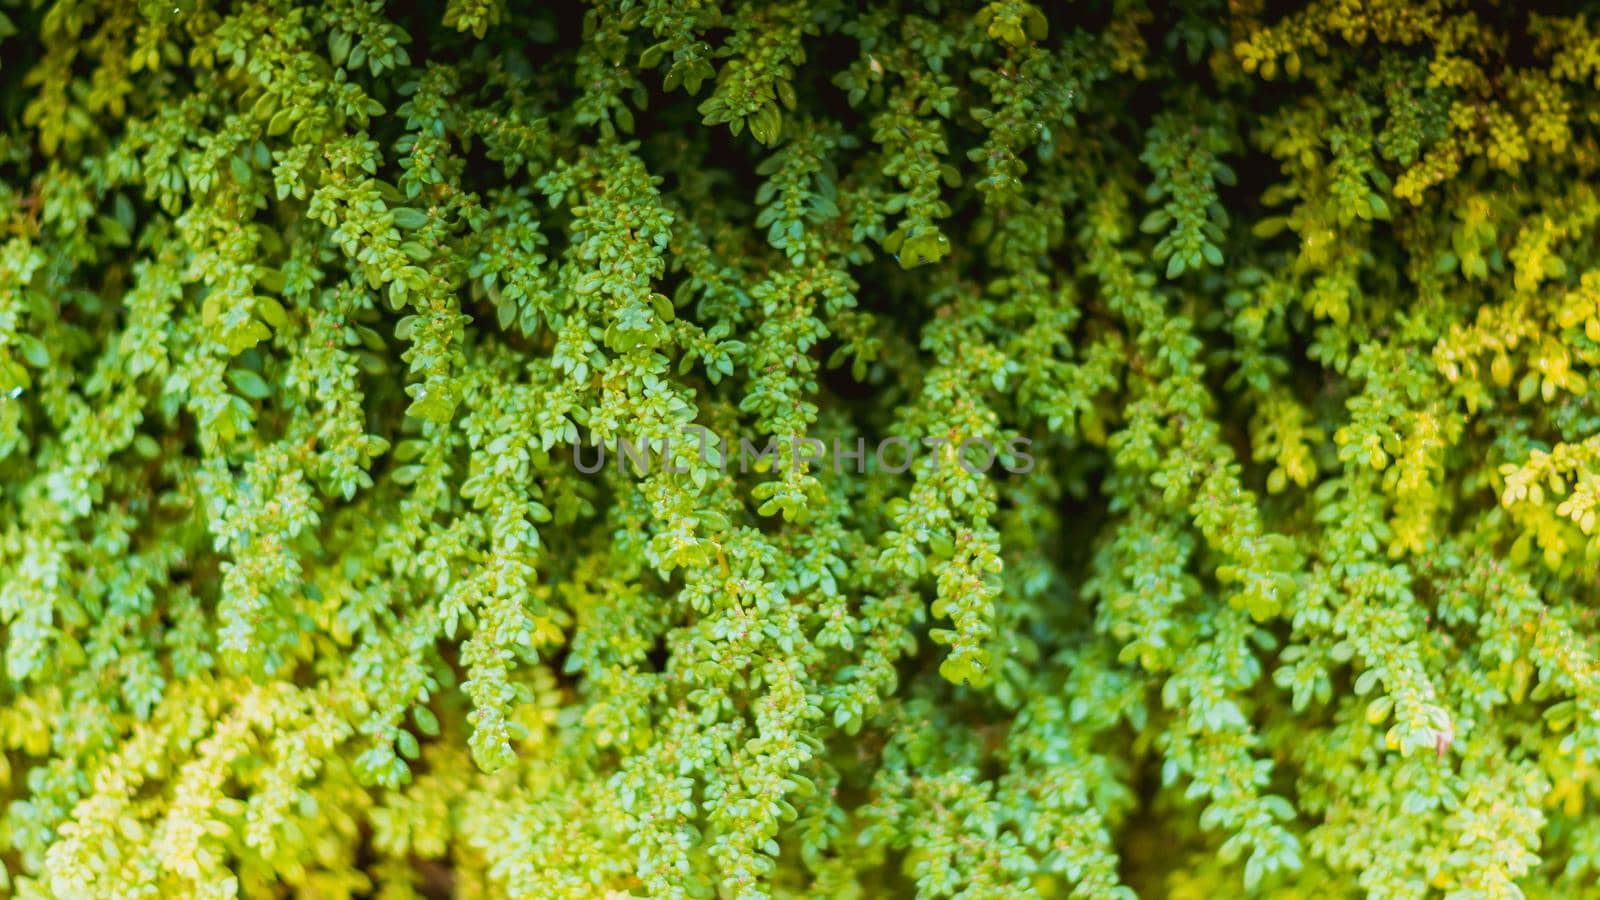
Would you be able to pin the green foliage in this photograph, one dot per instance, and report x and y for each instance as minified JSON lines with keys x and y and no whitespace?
{"x":305,"y":307}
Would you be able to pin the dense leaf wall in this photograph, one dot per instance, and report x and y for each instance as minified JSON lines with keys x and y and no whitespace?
{"x":1282,"y":318}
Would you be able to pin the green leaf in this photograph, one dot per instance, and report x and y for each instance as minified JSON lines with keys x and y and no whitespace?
{"x":249,"y":383}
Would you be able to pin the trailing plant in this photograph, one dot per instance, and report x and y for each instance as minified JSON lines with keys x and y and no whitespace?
{"x":1272,"y":329}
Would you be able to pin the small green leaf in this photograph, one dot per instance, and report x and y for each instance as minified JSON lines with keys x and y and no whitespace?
{"x":249,"y":383}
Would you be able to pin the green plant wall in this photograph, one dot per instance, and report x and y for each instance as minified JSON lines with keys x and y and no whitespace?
{"x":1278,"y":323}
